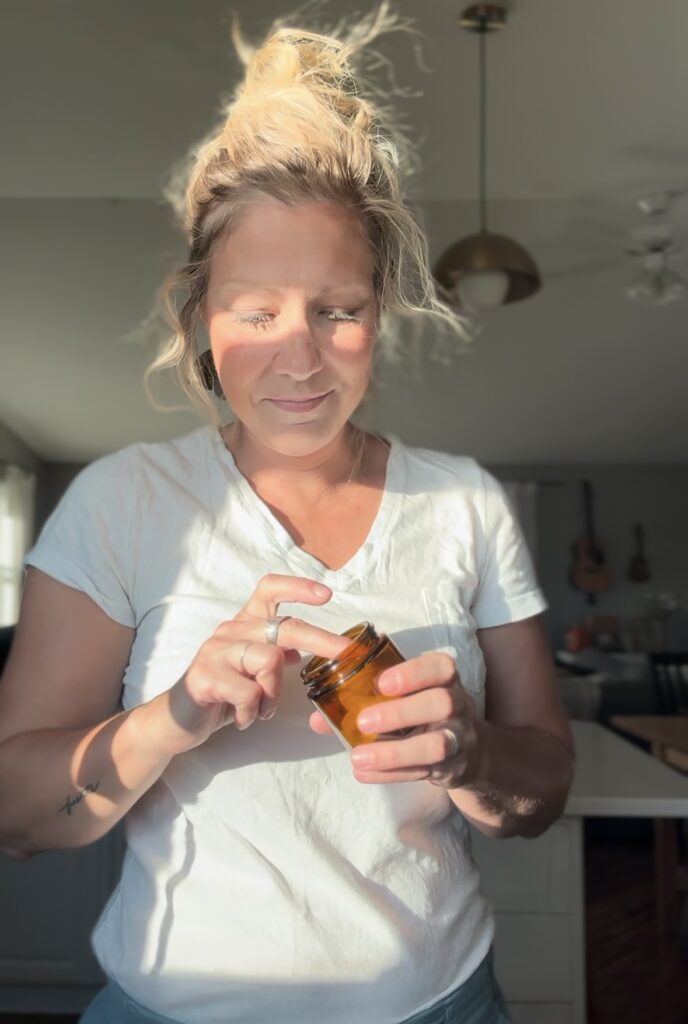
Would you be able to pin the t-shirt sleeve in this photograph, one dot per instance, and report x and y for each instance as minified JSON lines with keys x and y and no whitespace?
{"x":85,"y":543}
{"x":507,"y":585}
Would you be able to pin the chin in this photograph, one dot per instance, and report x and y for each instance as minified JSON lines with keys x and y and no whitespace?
{"x":301,"y":438}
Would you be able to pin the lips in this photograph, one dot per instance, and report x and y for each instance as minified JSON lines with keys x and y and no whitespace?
{"x":298,"y":405}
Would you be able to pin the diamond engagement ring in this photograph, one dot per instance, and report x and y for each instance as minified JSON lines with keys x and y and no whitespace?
{"x":272,"y":628}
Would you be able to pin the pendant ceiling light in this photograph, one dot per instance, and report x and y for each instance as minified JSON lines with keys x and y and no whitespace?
{"x":485,"y":270}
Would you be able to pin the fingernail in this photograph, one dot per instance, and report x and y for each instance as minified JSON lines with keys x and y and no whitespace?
{"x":368,"y":721}
{"x":361,"y":758}
{"x":389,"y":683}
{"x":320,"y":591}
{"x":268,"y":714}
{"x":244,"y":725}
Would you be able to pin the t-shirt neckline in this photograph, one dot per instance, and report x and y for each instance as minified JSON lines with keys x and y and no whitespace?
{"x":301,"y":561}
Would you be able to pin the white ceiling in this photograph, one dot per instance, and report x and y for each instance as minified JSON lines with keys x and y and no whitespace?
{"x":587,"y":104}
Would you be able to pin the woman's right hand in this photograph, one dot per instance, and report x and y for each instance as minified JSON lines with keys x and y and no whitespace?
{"x":236,"y":676}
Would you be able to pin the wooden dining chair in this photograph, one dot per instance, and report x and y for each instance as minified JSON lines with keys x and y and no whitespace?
{"x":670,"y":679}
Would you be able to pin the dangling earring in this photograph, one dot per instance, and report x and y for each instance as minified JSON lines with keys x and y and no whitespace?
{"x":206,"y":368}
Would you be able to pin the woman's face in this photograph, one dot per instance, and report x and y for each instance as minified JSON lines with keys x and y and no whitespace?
{"x":291,"y":313}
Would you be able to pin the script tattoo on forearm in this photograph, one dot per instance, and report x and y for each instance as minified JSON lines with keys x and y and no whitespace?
{"x":72,"y":801}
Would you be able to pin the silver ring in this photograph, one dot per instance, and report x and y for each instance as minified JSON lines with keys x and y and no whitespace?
{"x":435,"y":774}
{"x":272,"y":628}
{"x":242,"y":667}
{"x":454,"y":742}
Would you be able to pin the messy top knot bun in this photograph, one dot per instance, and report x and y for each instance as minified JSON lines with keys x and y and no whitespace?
{"x":298,"y":129}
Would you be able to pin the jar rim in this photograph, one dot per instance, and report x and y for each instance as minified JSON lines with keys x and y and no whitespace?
{"x":318,"y":667}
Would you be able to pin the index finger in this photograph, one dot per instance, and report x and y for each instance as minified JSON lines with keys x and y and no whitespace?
{"x":274,"y":588}
{"x":303,"y":636}
{"x":293,"y":633}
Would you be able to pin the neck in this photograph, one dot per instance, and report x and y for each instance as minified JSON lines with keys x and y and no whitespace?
{"x":339,"y":463}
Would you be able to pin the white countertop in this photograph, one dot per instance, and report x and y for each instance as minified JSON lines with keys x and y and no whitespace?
{"x":616,"y":779}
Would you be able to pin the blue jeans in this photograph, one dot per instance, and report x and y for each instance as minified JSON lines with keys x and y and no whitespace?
{"x":478,"y":1001}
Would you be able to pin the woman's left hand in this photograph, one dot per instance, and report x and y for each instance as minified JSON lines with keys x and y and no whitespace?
{"x":444,"y":746}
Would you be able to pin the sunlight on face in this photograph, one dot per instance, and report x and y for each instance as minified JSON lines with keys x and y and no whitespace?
{"x":291,"y":313}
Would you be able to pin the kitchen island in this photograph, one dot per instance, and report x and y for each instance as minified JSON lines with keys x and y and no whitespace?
{"x":536,"y":885}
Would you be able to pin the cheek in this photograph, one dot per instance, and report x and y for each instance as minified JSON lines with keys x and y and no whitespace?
{"x":354,"y":345}
{"x":233,"y":353}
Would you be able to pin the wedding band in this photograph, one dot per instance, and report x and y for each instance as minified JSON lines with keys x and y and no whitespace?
{"x":272,"y":628}
{"x":436,"y":775}
{"x":243,"y":653}
{"x":454,"y":743}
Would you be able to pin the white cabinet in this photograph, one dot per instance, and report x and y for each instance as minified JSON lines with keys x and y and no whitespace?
{"x":48,"y":906}
{"x":536,"y":890}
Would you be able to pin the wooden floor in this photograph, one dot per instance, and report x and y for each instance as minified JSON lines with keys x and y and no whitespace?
{"x":635,"y":976}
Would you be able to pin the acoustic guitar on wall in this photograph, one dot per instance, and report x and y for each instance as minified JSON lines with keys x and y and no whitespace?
{"x":590,"y":571}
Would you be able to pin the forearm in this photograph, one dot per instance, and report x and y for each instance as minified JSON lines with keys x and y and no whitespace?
{"x":519,"y":784}
{"x":68,"y":787}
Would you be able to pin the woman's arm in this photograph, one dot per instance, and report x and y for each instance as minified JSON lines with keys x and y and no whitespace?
{"x":70,"y":767}
{"x":524,"y":761}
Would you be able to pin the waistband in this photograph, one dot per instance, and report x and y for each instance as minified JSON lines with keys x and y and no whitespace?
{"x":473,"y":1001}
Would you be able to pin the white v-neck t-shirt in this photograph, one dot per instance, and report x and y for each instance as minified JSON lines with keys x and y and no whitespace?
{"x":262,"y":883}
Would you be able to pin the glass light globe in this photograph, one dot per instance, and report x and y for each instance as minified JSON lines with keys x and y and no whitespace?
{"x":482,"y":290}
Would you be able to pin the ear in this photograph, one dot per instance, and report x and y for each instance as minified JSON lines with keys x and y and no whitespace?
{"x":206,"y":367}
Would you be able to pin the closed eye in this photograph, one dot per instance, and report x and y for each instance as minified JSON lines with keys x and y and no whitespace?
{"x":255,"y":319}
{"x":343,"y":314}
{"x":335,"y":315}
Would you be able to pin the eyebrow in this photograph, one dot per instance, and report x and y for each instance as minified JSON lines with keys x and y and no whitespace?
{"x":235,"y":283}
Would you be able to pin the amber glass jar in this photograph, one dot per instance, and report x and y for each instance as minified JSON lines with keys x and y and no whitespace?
{"x":342,"y":687}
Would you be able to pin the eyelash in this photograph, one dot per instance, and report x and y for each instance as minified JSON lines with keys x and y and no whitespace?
{"x":335,"y":316}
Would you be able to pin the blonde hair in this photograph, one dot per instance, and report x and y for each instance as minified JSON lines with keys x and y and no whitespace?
{"x":298,"y":129}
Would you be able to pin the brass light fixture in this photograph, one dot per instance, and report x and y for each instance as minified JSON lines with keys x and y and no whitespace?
{"x":485,"y":270}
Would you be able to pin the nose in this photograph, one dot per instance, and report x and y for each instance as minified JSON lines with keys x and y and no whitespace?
{"x":298,"y":353}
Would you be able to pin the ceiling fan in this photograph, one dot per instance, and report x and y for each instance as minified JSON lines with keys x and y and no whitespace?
{"x":653,"y":246}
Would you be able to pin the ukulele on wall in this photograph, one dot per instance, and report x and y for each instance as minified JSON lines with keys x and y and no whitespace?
{"x":590,"y":572}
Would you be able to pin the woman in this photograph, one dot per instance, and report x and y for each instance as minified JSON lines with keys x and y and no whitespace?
{"x":273,"y":875}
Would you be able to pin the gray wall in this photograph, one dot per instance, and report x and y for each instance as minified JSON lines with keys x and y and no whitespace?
{"x":14,"y":451}
{"x":656,"y":496}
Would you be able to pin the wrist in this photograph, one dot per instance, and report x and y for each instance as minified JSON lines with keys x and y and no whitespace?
{"x":154,"y":730}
